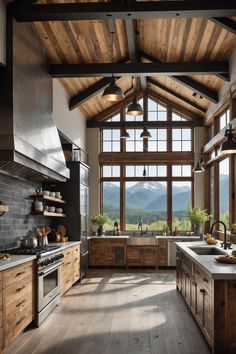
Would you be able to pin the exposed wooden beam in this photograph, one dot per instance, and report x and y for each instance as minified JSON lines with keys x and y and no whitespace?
{"x":149,"y":124}
{"x":89,"y":92}
{"x":147,"y":157}
{"x":131,"y":39}
{"x":224,"y":77}
{"x":188,"y":82}
{"x":186,"y":112}
{"x":226,"y":23}
{"x":175,"y":94}
{"x":138,"y":69}
{"x":120,"y":10}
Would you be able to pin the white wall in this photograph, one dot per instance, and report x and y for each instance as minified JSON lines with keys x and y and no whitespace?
{"x":224,"y":93}
{"x":94,"y":187}
{"x":2,"y":33}
{"x":70,"y":123}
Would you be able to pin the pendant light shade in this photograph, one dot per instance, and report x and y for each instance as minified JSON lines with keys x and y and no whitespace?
{"x":145,"y":133}
{"x":199,"y":167}
{"x":144,"y":172}
{"x":229,"y":145}
{"x":135,"y":108}
{"x":113,"y":93}
{"x":124,"y":134}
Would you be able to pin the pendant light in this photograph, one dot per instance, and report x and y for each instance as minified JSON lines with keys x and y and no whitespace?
{"x":199,"y":165}
{"x":145,"y":133}
{"x":229,"y":145}
{"x":135,"y":108}
{"x":124,"y":134}
{"x":144,"y":172}
{"x":113,"y":93}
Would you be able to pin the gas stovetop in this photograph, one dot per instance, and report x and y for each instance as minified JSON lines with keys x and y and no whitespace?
{"x":31,"y":251}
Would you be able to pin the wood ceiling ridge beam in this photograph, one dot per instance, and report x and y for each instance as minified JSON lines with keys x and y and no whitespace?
{"x":226,"y":23}
{"x":121,"y":10}
{"x":138,"y":69}
{"x":175,"y":94}
{"x":186,"y":81}
{"x":151,"y":124}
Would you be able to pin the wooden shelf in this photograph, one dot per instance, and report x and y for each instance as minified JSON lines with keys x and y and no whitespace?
{"x":4,"y":208}
{"x":49,"y":198}
{"x":48,"y":213}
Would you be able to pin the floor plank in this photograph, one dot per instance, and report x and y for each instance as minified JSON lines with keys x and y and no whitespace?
{"x":95,"y":317}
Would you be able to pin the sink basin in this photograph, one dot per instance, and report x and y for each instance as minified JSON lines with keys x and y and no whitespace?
{"x":207,"y":251}
{"x":141,"y":241}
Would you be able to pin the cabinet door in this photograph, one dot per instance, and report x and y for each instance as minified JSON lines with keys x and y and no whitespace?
{"x":149,"y":256}
{"x":97,"y":255}
{"x":162,"y":253}
{"x":134,"y":255}
{"x":199,"y":303}
{"x":193,"y":300}
{"x":207,"y":315}
{"x":179,"y":269}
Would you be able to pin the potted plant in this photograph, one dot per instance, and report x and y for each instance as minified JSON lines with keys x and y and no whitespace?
{"x":99,"y":220}
{"x":165,"y":230}
{"x":198,"y":217}
{"x":233,"y":229}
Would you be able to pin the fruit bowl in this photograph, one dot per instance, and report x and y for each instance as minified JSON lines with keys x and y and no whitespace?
{"x":211,"y":241}
{"x":226,"y":259}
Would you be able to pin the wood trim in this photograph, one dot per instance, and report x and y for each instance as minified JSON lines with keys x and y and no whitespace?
{"x":120,"y":10}
{"x":146,"y":157}
{"x":226,"y":23}
{"x":217,"y":139}
{"x":149,"y":124}
{"x":175,"y":94}
{"x":175,"y":106}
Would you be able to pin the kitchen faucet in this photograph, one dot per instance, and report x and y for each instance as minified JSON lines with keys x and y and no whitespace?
{"x":140,"y":227}
{"x":224,"y":244}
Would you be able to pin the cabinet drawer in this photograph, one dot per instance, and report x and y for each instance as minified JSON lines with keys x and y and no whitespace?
{"x":68,"y":252}
{"x":15,"y":293}
{"x":202,"y":278}
{"x":17,"y":274}
{"x":16,"y":324}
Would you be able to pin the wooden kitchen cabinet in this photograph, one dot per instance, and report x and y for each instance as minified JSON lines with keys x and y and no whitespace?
{"x":162,"y":253}
{"x":70,"y":269}
{"x":18,"y":301}
{"x":141,"y":255}
{"x":107,"y":252}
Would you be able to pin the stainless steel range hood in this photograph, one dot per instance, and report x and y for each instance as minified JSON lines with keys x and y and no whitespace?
{"x":30,"y":146}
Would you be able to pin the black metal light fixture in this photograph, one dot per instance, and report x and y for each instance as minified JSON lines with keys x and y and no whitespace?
{"x":229,"y":145}
{"x":199,"y":165}
{"x":124,"y":134}
{"x":135,"y":108}
{"x":144,"y":171}
{"x":113,"y":93}
{"x":145,"y":133}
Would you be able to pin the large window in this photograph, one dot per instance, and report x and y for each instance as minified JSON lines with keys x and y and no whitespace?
{"x":212,"y":212}
{"x":181,"y":198}
{"x":158,"y":140}
{"x":156,"y":111}
{"x":224,"y":119}
{"x":224,"y":191}
{"x":134,"y":143}
{"x":146,"y":202}
{"x":111,"y":140}
{"x":111,"y":202}
{"x":181,"y":139}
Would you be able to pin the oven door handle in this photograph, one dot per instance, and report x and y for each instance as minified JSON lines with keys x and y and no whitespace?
{"x":55,"y":266}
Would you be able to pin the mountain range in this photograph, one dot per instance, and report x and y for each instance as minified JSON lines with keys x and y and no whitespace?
{"x":152,"y":196}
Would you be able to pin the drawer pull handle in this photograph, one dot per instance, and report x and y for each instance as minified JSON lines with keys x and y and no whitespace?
{"x":67,"y":281}
{"x":18,"y":322}
{"x":19,"y":289}
{"x":194,"y":283}
{"x":68,"y":253}
{"x":68,"y":263}
{"x":205,"y":280}
{"x":18,"y":274}
{"x":202,"y":291}
{"x":21,"y":303}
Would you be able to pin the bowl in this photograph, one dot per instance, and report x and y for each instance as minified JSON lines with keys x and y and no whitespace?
{"x":58,"y":194}
{"x":46,"y":192}
{"x":52,"y":194}
{"x":59,"y":210}
{"x":51,"y":209}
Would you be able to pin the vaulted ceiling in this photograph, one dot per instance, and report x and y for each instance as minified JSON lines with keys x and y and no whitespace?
{"x":144,"y":40}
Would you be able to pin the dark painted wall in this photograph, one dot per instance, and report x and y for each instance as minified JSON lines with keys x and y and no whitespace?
{"x":18,"y":221}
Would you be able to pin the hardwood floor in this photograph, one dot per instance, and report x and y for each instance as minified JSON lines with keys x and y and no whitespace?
{"x":95,"y":317}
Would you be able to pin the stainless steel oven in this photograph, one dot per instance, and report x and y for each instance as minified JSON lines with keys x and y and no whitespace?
{"x":49,"y":279}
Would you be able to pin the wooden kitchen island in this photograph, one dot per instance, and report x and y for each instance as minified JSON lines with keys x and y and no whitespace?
{"x":209,"y":290}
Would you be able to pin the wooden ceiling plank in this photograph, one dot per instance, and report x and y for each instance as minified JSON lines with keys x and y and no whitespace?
{"x":136,"y":69}
{"x":226,"y":23}
{"x":174,"y":93}
{"x":120,"y":10}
